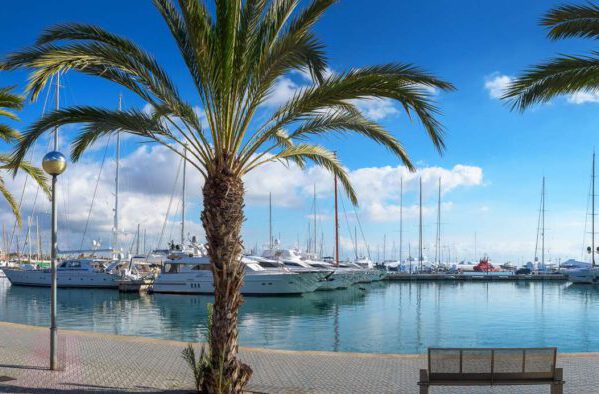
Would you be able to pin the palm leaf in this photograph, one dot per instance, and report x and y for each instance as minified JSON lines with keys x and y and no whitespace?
{"x":541,"y":83}
{"x":319,"y":156}
{"x":573,"y":20}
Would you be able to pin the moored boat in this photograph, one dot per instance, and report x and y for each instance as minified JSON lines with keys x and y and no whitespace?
{"x":193,"y":275}
{"x":88,"y":273}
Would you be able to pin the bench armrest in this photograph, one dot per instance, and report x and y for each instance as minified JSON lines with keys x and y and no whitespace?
{"x":423,"y":376}
{"x":559,"y":375}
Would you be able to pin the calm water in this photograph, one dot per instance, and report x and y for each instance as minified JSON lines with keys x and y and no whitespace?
{"x":382,"y":318}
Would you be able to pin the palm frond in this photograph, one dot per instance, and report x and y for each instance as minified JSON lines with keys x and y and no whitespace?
{"x":11,"y":101}
{"x":573,"y":20}
{"x":565,"y":74}
{"x":37,"y":174}
{"x":102,"y":120}
{"x":127,"y":65}
{"x":343,"y":122}
{"x":402,"y":83}
{"x":318,"y":155}
{"x":12,"y":203}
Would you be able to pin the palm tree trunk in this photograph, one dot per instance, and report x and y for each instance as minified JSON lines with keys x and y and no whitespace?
{"x":222,"y":218}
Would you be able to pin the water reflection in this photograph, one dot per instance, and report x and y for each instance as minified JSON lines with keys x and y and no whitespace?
{"x":384,"y":317}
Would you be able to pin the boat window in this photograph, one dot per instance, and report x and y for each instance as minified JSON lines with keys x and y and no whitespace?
{"x":171,"y":268}
{"x":200,"y":267}
{"x":253,"y":267}
{"x":291,"y":264}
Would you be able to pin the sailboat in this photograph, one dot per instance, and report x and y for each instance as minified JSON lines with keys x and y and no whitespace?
{"x":70,"y":273}
{"x":588,"y":275}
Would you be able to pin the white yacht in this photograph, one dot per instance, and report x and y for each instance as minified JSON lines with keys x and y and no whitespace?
{"x":587,"y":276}
{"x":364,"y":262}
{"x":192,"y":275}
{"x":293,"y":259}
{"x":89,"y":273}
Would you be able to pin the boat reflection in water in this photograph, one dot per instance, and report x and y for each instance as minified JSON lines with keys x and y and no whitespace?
{"x":263,"y":321}
{"x":388,"y":317}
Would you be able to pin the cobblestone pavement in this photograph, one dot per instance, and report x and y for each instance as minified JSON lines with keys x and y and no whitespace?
{"x":100,"y":363}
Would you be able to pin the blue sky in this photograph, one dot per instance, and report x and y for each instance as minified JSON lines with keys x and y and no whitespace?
{"x":500,"y":155}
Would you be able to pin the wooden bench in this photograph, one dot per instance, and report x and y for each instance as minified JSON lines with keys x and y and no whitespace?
{"x":488,"y":366}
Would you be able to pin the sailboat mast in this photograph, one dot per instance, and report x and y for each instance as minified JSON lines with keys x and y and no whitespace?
{"x":137,"y":241}
{"x":314,"y":229}
{"x":115,"y":236}
{"x":336,"y":226}
{"x":183,"y":197}
{"x":400,"y":218}
{"x":384,"y":247}
{"x":57,"y":108}
{"x":356,"y":241}
{"x":438,"y":240}
{"x":270,"y":220}
{"x":38,"y":239}
{"x":420,"y":259}
{"x":543,"y":223}
{"x":593,"y":213}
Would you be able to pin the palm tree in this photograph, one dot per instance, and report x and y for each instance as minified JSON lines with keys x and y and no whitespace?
{"x":566,"y":73}
{"x":234,"y":55}
{"x":9,"y":102}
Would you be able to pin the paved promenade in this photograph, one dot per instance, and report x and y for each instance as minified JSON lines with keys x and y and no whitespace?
{"x":100,"y":363}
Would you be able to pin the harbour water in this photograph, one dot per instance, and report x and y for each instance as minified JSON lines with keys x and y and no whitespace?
{"x":386,"y":317}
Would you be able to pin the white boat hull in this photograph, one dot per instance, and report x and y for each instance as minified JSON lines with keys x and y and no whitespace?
{"x":584,"y":276}
{"x":65,"y":279}
{"x":338,"y":280}
{"x":200,"y":282}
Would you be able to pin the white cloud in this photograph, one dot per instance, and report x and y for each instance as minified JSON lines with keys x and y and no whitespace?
{"x":584,"y":97}
{"x":376,"y":109}
{"x":282,"y":90}
{"x":496,"y":84}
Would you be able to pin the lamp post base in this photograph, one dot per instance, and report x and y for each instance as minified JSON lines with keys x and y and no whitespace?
{"x":53,"y":348}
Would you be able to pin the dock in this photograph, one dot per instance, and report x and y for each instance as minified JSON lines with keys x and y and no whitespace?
{"x":480,"y":277}
{"x":104,"y":363}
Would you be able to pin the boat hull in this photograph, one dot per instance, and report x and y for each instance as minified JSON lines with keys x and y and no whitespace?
{"x":584,"y":276}
{"x":64,"y":279}
{"x":253,"y":284}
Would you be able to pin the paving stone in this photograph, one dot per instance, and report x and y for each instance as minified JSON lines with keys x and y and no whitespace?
{"x":100,"y":363}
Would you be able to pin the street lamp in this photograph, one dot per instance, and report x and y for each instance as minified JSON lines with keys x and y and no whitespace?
{"x":54,"y":163}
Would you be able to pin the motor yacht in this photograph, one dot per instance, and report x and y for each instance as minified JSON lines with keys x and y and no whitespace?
{"x":292,"y":258}
{"x":89,"y":273}
{"x":193,"y":275}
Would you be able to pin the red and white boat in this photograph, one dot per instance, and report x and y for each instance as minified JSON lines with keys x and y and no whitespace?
{"x":485,"y":266}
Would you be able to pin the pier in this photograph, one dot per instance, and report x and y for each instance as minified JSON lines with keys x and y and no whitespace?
{"x":483,"y":277}
{"x":104,"y":363}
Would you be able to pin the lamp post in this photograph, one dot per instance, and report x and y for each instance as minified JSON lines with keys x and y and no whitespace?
{"x":54,"y":163}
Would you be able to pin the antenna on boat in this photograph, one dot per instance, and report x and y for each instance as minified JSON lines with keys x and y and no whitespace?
{"x":115,"y":236}
{"x":270,"y":220}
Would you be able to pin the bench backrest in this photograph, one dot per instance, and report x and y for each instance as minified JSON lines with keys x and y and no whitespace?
{"x":490,"y":364}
